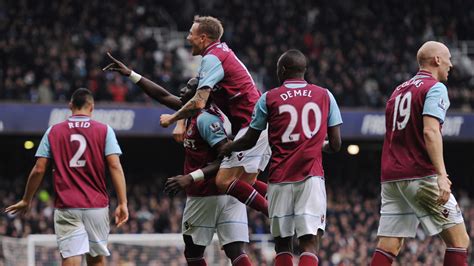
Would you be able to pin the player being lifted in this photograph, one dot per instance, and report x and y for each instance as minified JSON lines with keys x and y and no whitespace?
{"x":299,"y":117}
{"x":207,"y":210}
{"x":80,"y":149}
{"x":225,"y":79}
{"x":415,"y":185}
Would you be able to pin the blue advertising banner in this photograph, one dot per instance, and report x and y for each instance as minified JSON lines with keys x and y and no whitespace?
{"x":145,"y":121}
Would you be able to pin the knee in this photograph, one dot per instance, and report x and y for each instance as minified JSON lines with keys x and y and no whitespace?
{"x":460,"y":241}
{"x":283,"y":244}
{"x":223,"y":182}
{"x":233,"y":250}
{"x":390,"y":244}
{"x":308,"y":243}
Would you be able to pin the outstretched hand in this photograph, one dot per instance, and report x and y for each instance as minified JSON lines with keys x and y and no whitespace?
{"x":20,"y":207}
{"x":117,"y":66}
{"x":176,"y":183}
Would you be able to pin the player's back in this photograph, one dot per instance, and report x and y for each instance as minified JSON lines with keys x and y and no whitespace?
{"x":236,"y":94}
{"x":404,"y":154}
{"x":297,"y":127}
{"x":78,"y":152}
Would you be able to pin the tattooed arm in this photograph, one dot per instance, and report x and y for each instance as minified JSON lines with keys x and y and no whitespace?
{"x":192,"y":107}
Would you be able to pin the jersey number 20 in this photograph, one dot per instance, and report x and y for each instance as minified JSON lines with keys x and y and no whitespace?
{"x":402,"y":109}
{"x":288,"y":135}
{"x":75,"y":162}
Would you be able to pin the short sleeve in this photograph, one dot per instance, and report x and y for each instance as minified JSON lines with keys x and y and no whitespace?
{"x":334,"y":116}
{"x":211,"y":128}
{"x":260,"y":113}
{"x":437,"y":102}
{"x":44,"y":149}
{"x":111,"y":143}
{"x":211,"y":71}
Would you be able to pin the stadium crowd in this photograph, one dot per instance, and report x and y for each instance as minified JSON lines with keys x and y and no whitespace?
{"x":359,"y":50}
{"x":349,"y":239}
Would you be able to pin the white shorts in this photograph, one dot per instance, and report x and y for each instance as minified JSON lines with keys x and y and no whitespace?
{"x":407,"y":203}
{"x":203,"y":216}
{"x":252,"y":160}
{"x":81,"y":231}
{"x":297,"y":207}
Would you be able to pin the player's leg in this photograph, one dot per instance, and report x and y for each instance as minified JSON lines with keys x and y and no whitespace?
{"x":309,"y":245}
{"x":236,"y":253}
{"x":284,"y":251}
{"x":282,"y":224}
{"x":97,"y":225}
{"x":232,"y":229}
{"x":310,"y":216}
{"x":198,"y":226}
{"x":227,"y":181}
{"x":387,"y":250}
{"x":193,"y":253}
{"x":71,"y":236}
{"x":397,"y":221}
{"x":72,"y":261}
{"x":259,"y":186}
{"x":95,"y":261}
{"x":457,"y":243}
{"x":446,"y":220}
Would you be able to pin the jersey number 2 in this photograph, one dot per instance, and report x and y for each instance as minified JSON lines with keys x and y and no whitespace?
{"x":288,"y":135}
{"x":75,"y":162}
{"x":402,"y":109}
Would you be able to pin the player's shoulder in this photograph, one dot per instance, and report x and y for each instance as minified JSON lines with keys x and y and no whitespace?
{"x":207,"y":117}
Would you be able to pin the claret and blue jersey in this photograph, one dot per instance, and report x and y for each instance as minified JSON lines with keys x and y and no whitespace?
{"x":232,"y":87}
{"x":404,"y":154}
{"x":298,"y":115}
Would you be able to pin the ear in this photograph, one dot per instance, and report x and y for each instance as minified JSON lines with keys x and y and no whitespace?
{"x":91,"y":107}
{"x":437,"y":60}
{"x":70,"y":106}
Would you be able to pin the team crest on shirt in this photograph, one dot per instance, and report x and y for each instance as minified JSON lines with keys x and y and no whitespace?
{"x":442,"y":104}
{"x":215,"y":127}
{"x":240,"y":155}
{"x":190,"y":131}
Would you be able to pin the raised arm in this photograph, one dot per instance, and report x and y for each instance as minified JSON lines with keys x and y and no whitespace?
{"x":152,"y":89}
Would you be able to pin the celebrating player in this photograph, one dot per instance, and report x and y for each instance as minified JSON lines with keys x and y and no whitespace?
{"x":237,"y":95}
{"x":206,"y":209}
{"x":299,"y":116}
{"x":224,"y":78}
{"x":415,"y":185}
{"x":80,"y":148}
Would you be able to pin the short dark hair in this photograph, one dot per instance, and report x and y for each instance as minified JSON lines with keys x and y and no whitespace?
{"x":80,"y":97}
{"x":210,"y":26}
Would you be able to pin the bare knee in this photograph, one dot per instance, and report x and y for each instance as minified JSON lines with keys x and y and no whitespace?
{"x":310,"y":243}
{"x":456,"y":236}
{"x":226,"y":176}
{"x":72,"y":261}
{"x":390,"y":244}
{"x":95,"y":261}
{"x":283,"y":244}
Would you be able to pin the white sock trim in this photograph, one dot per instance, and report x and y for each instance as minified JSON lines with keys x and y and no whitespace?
{"x":309,"y":254}
{"x":239,"y":258}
